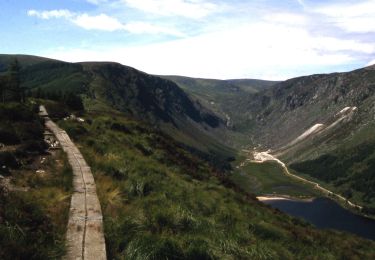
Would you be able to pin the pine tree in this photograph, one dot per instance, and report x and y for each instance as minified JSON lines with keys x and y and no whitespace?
{"x":3,"y":88}
{"x":15,"y":82}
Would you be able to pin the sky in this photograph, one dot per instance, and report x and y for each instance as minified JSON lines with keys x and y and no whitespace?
{"x":223,"y":39}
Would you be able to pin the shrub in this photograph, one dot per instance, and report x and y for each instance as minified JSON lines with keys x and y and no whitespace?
{"x":120,"y":127}
{"x":33,"y":146}
{"x":8,"y":136}
{"x":75,"y":131}
{"x":8,"y":159}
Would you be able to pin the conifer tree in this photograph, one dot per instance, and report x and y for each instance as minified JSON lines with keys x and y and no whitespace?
{"x":3,"y":88}
{"x":14,"y":81}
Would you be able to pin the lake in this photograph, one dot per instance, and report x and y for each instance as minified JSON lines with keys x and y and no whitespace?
{"x":326,"y":213}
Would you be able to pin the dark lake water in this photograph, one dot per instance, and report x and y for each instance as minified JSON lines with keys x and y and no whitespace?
{"x":325,"y":213}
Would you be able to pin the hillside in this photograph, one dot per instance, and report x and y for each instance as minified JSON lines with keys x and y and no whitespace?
{"x":161,"y":202}
{"x":321,"y":125}
{"x":25,"y":60}
{"x":162,"y":196}
{"x":228,"y":98}
{"x":285,"y":111}
{"x":104,"y":85}
{"x":35,"y":187}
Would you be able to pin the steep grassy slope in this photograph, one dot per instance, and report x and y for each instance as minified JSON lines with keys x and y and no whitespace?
{"x":162,"y":202}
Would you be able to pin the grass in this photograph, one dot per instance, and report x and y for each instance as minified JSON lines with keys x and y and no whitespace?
{"x":33,"y":222}
{"x":348,"y":171}
{"x":160,"y":201}
{"x":269,"y":178}
{"x":34,"y":205}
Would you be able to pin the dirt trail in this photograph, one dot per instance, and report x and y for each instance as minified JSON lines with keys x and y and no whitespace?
{"x":265,"y":156}
{"x":85,"y":236}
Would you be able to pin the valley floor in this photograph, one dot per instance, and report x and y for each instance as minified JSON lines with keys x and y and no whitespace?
{"x":266,"y":157}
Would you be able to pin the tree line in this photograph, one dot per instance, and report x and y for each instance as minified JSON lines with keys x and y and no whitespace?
{"x":11,"y":90}
{"x":10,"y":84}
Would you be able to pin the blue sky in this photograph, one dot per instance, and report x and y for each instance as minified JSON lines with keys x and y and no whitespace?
{"x":265,"y":39}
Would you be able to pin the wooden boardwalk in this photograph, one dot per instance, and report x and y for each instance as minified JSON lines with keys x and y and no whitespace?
{"x":85,"y":236}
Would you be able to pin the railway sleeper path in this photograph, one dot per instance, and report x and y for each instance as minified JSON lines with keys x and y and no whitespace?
{"x":85,"y":235}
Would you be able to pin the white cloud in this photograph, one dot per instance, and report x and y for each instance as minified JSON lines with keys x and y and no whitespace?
{"x":142,"y":27}
{"x":257,"y":50}
{"x":352,"y":17}
{"x":267,"y":44}
{"x":97,"y":2}
{"x":46,"y":15}
{"x":301,"y":2}
{"x":104,"y":22}
{"x":286,"y":19}
{"x":186,"y":8}
{"x":334,"y":45}
{"x":348,"y":9}
{"x":370,"y":63}
{"x":98,"y":22}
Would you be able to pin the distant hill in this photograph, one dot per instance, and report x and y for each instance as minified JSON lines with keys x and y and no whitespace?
{"x":227,"y":98}
{"x":25,"y":60}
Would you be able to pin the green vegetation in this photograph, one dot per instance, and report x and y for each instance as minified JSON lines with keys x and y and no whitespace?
{"x":10,"y":84}
{"x":108,"y":86}
{"x":228,"y":98}
{"x":350,"y":171}
{"x":21,"y":133}
{"x":34,"y":212}
{"x":164,"y":197}
{"x":34,"y":190}
{"x":162,"y":202}
{"x":269,"y":178}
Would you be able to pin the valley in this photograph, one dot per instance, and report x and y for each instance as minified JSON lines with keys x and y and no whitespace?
{"x":265,"y":156}
{"x":320,"y":126}
{"x":166,"y":154}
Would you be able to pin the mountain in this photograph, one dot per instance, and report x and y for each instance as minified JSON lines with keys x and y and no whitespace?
{"x":219,"y":94}
{"x":25,"y":60}
{"x":106,"y":85}
{"x":285,"y":111}
{"x":321,"y":125}
{"x":227,"y":98}
{"x":162,"y":196}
